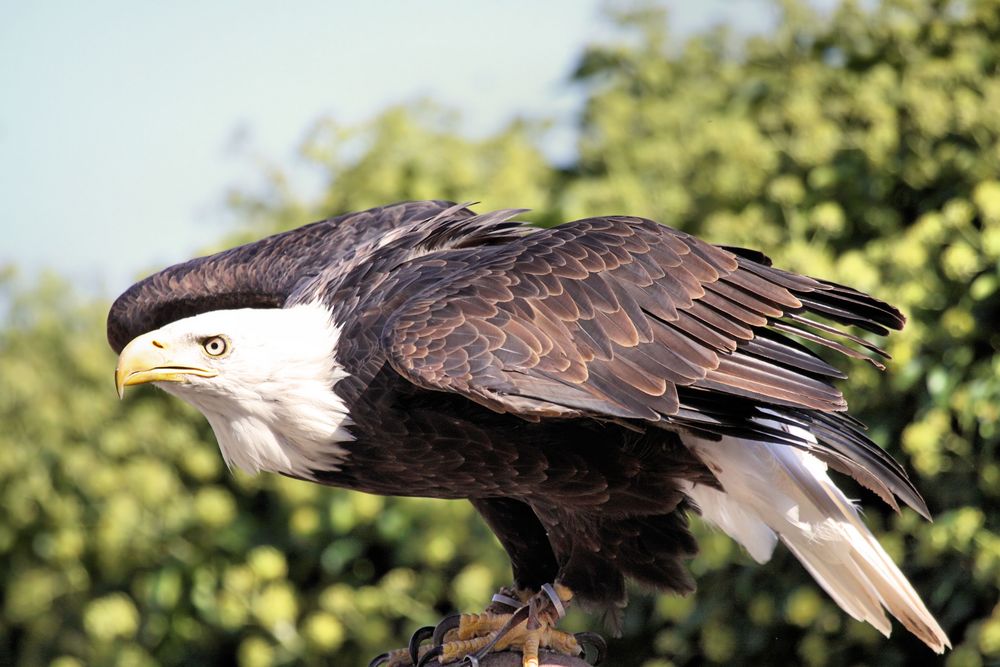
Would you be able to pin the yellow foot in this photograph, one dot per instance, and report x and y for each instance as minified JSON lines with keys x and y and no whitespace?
{"x":465,"y":639}
{"x":480,"y":634}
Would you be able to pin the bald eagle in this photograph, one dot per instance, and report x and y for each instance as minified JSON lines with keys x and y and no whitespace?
{"x":586,"y":387}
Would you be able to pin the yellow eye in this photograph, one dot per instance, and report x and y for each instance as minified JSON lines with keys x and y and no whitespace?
{"x":216,"y":346}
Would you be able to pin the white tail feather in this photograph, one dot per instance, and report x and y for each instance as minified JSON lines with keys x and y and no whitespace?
{"x":776,"y":491}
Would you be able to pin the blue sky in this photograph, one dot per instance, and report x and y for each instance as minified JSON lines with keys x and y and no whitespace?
{"x":119,"y":117}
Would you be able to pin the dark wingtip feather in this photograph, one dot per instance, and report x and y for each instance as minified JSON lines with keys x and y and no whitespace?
{"x":748,"y":253}
{"x":845,"y":436}
{"x":864,"y":306}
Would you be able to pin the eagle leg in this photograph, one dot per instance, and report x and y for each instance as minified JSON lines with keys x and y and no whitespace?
{"x":455,"y":628}
{"x":516,"y":619}
{"x":529,"y":628}
{"x":467,"y":626}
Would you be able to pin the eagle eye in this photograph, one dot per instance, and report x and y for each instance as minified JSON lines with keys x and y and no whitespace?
{"x":215,"y":346}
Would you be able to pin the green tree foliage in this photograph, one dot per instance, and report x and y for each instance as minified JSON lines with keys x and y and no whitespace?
{"x":862,"y":147}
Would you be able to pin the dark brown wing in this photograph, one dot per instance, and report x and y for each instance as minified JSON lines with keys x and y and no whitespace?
{"x":625,"y":318}
{"x":257,"y":275}
{"x":612,"y":315}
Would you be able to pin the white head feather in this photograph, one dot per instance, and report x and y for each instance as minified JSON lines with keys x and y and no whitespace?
{"x":272,"y":404}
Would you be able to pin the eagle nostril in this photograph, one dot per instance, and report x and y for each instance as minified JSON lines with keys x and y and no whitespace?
{"x":158,"y":344}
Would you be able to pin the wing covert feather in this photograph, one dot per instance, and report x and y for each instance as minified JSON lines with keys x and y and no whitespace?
{"x":623,"y":318}
{"x":622,"y":310}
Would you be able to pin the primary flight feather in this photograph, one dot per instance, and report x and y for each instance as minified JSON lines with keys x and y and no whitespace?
{"x":585,"y":387}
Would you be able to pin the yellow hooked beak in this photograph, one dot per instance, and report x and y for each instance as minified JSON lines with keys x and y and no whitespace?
{"x":147,"y":359}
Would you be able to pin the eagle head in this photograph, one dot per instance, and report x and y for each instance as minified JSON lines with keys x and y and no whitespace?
{"x":263,"y":377}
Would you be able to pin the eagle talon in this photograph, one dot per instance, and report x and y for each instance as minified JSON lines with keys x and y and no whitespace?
{"x":416,"y":639}
{"x":441,"y":629}
{"x":400,"y":657}
{"x":435,"y":652}
{"x":595,"y":641}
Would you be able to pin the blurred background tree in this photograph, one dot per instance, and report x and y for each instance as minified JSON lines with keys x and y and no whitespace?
{"x":862,"y":147}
